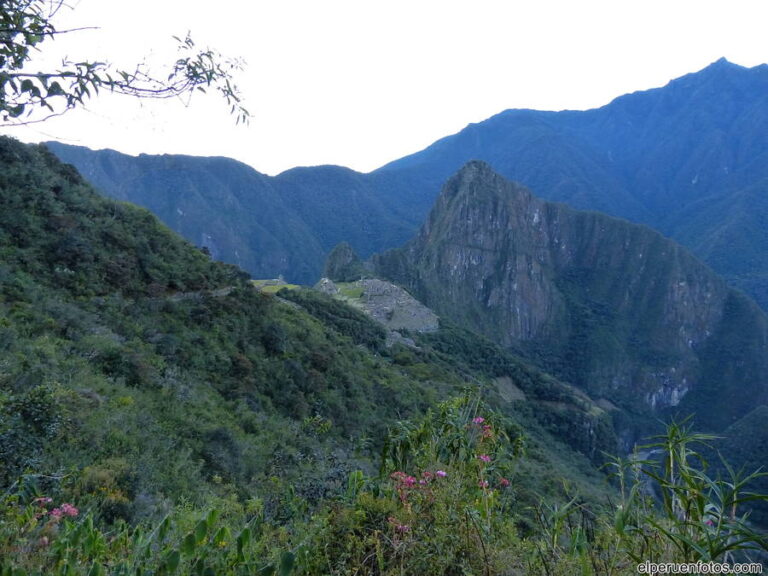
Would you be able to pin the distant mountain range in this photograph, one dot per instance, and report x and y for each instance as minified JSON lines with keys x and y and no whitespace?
{"x":269,"y":226}
{"x":689,"y":159}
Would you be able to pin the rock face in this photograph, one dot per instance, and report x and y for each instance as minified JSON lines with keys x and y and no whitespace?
{"x":613,"y":307}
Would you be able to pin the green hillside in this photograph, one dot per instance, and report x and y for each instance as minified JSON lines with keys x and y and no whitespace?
{"x":139,"y":377}
{"x":161,"y":415}
{"x":123,"y":346}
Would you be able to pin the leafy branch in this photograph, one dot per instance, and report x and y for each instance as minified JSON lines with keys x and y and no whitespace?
{"x":26,"y":24}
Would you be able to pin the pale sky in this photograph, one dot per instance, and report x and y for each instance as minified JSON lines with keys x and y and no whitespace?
{"x":362,"y":82}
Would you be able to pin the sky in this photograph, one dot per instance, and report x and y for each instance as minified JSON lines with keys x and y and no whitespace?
{"x":359,"y":83}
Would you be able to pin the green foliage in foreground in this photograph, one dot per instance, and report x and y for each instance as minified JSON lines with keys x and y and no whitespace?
{"x":444,"y":503}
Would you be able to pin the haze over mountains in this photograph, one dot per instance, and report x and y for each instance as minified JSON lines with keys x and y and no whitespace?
{"x":689,"y":159}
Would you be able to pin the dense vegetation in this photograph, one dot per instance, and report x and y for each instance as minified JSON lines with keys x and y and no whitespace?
{"x":443,"y":503}
{"x":127,"y":352}
{"x":158,"y":414}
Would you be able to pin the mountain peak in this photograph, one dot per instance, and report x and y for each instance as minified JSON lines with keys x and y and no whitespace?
{"x":582,"y":289}
{"x":477,"y":179}
{"x":472,"y":171}
{"x":721,"y":66}
{"x":722,"y":63}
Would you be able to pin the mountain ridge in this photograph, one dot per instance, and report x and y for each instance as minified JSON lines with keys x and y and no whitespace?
{"x":669,"y":157}
{"x":611,"y":306}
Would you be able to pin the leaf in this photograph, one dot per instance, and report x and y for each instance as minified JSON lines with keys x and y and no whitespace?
{"x":242,"y":541}
{"x":16,"y":111}
{"x":172,"y":561}
{"x":287,"y":561}
{"x":165,"y":526}
{"x":189,"y":544}
{"x":201,"y":531}
{"x":221,"y":536}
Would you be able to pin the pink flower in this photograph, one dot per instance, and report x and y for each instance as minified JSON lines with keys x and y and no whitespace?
{"x":503,"y":482}
{"x":485,"y":458}
{"x":441,"y":473}
{"x":403,"y":478}
{"x":69,"y":510}
{"x":57,"y":513}
{"x":478,"y":420}
{"x":42,"y":501}
{"x":483,"y":483}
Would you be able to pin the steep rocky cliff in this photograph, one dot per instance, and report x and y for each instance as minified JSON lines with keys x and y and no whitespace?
{"x":613,"y":307}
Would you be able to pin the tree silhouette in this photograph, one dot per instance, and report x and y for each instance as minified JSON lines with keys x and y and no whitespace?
{"x":33,"y":96}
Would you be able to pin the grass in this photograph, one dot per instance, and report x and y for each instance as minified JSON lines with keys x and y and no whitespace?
{"x":272,"y":286}
{"x":350,"y":290}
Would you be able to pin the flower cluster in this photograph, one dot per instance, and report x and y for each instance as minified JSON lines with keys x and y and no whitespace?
{"x":486,"y":430}
{"x":405,"y":483}
{"x":486,"y":433}
{"x":57,"y":513}
{"x":403,"y":479}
